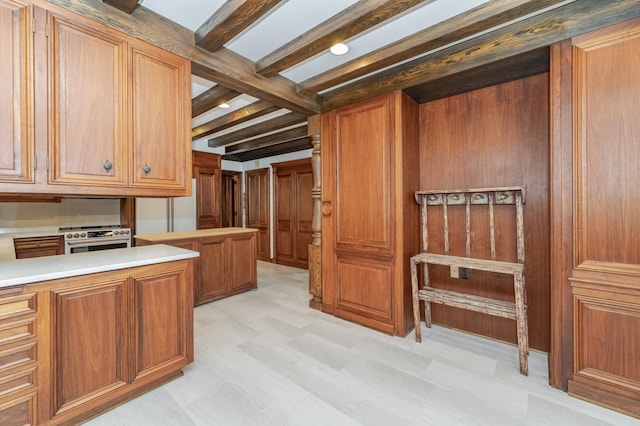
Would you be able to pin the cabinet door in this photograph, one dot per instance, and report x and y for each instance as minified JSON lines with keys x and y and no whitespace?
{"x":16,"y":141}
{"x":241,"y":264}
{"x":208,"y":182}
{"x":88,"y":97}
{"x":89,"y":347}
{"x":213,"y":279}
{"x":162,"y":319}
{"x":161,"y":114}
{"x":360,"y":283}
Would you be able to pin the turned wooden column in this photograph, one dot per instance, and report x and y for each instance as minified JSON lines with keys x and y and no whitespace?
{"x":315,"y":252}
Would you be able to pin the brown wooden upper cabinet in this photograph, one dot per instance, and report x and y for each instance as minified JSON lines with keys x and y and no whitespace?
{"x":111,"y":113}
{"x":16,"y":139}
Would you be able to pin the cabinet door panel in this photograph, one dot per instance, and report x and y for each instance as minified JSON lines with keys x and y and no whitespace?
{"x":213,"y":280}
{"x":90,"y":350}
{"x":242,"y":266}
{"x":87,"y":139}
{"x":16,"y":142}
{"x":161,"y":118}
{"x":160,"y":321}
{"x":364,"y":207}
{"x":365,"y":287}
{"x":208,"y":201}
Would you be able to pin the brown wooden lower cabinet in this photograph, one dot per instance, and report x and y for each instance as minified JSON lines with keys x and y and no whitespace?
{"x":228,"y":259}
{"x":101,"y":339}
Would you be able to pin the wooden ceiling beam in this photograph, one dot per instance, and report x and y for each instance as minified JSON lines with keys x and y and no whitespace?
{"x":538,"y":31}
{"x":127,"y":6}
{"x":224,"y":67}
{"x":267,"y":126}
{"x":278,"y":149}
{"x":254,"y":110}
{"x":474,"y":21}
{"x":233,"y":17}
{"x":211,"y":99}
{"x":357,"y":18}
{"x":275,"y":138}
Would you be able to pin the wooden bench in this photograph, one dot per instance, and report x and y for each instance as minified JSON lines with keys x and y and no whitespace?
{"x":516,"y":310}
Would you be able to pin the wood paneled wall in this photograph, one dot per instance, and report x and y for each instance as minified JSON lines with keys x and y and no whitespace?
{"x":496,"y":136}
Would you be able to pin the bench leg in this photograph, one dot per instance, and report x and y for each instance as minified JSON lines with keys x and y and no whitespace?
{"x":521,"y":323}
{"x":427,"y":304}
{"x":416,"y":302}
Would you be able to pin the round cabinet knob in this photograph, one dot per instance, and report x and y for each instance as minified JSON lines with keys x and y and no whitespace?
{"x":107,"y":165}
{"x":146,"y":169}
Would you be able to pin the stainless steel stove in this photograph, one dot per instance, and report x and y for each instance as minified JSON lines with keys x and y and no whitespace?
{"x":93,"y":238}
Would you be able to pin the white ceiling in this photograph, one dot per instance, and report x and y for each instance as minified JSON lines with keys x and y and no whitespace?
{"x":292,"y":18}
{"x":295,"y":17}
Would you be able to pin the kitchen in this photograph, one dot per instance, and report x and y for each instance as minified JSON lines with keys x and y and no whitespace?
{"x":140,"y":151}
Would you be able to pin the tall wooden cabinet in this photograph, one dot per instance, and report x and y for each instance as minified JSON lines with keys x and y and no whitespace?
{"x":89,"y":110}
{"x":16,"y":93}
{"x":595,"y":224}
{"x":370,"y":218}
{"x":293,"y":212}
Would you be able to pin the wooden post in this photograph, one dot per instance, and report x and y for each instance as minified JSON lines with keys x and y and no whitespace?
{"x":315,"y":248}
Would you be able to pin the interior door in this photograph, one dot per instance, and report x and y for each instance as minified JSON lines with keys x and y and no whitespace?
{"x":258,"y":209}
{"x":231,"y":184}
{"x":293,"y":212}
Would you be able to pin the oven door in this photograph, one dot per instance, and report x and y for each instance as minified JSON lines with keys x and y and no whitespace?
{"x":83,"y":246}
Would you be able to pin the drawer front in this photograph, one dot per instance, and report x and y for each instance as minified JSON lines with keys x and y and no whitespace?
{"x":16,"y":331}
{"x":15,"y":306}
{"x":15,"y":356}
{"x":17,"y":381}
{"x":18,"y":411}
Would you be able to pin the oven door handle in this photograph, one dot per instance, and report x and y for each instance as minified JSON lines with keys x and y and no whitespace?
{"x":93,"y":243}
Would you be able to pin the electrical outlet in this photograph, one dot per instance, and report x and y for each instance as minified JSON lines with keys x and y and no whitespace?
{"x":454,"y":272}
{"x":463,"y":273}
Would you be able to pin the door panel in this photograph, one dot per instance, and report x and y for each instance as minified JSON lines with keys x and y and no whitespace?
{"x":90,"y":350}
{"x":208,"y":201}
{"x":258,"y":209}
{"x":89,"y":134}
{"x":16,"y":141}
{"x":160,"y":321}
{"x":363,"y":207}
{"x":242,"y":269}
{"x":212,"y":272}
{"x":159,"y":81}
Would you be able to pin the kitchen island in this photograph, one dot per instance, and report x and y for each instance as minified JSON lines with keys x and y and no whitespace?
{"x":228,"y":259}
{"x":84,"y":332}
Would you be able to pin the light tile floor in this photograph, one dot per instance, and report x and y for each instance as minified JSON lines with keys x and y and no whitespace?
{"x":265,"y":358}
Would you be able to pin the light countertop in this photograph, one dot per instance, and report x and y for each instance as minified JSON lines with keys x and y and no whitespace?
{"x":26,"y":271}
{"x":200,"y":233}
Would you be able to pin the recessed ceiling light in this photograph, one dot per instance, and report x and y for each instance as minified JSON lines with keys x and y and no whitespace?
{"x":339,"y":49}
{"x":224,"y":105}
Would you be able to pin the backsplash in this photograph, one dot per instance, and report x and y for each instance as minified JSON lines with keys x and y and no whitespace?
{"x":69,"y":212}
